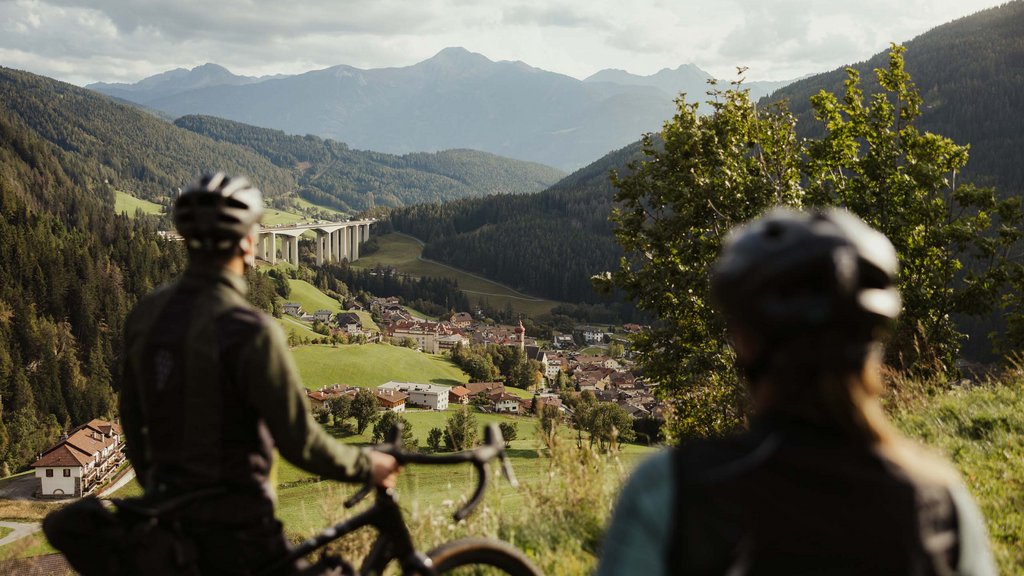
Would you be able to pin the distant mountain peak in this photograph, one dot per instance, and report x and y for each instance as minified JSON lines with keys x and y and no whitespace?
{"x":459,"y":56}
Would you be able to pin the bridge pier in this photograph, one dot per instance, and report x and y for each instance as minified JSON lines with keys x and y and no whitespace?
{"x":334,"y":241}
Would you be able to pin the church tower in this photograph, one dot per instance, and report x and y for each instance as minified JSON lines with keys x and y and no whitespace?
{"x":521,"y":336}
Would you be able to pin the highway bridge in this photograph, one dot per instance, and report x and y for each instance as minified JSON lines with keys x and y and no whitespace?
{"x":334,"y":242}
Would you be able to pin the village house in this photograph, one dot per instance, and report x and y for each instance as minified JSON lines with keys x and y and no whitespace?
{"x":485,"y":388}
{"x":458,"y":395}
{"x":592,"y":335}
{"x":81,"y":461}
{"x":425,"y":334}
{"x":461,"y":320}
{"x":292,"y":309}
{"x":429,"y":396}
{"x":393,"y":400}
{"x":349,"y":322}
{"x":506,"y":403}
{"x":321,"y":399}
{"x":323,"y":316}
{"x":451,"y":341}
{"x":563,"y":341}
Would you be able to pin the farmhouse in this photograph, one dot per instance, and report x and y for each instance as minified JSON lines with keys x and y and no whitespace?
{"x":393,"y":400}
{"x":458,"y":395}
{"x":82,"y":460}
{"x":424,"y":395}
{"x":292,"y":309}
{"x":506,"y":403}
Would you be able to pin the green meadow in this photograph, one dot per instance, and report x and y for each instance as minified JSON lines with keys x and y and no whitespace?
{"x":404,"y":253}
{"x":125,"y":203}
{"x":310,"y":298}
{"x":372,"y":365}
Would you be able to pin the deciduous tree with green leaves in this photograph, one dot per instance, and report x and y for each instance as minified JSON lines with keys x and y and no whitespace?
{"x":702,"y":176}
{"x":364,"y":409}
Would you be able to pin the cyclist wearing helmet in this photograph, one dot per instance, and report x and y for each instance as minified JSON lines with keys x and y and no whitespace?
{"x":821,"y":483}
{"x":209,"y":390}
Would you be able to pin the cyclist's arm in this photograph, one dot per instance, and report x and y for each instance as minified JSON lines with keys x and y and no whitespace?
{"x":129,"y":405}
{"x":637,"y":539}
{"x":273,"y":386}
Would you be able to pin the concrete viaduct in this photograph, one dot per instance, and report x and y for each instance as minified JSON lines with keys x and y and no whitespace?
{"x":334,"y":241}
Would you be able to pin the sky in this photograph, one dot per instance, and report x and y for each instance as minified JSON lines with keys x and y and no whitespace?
{"x":126,"y":40}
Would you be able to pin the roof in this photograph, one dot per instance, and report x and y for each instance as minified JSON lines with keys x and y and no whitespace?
{"x":104,"y":427}
{"x":484,"y":387}
{"x":459,"y":391}
{"x":391,"y":395}
{"x":62,"y":455}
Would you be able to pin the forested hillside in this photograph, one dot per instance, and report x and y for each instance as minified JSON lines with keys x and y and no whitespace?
{"x":131,"y":150}
{"x":547,"y":244}
{"x":970,"y":73}
{"x":329,"y":173}
{"x":69,"y":272}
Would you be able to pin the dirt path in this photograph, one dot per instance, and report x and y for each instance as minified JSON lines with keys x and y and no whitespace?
{"x":18,"y":530}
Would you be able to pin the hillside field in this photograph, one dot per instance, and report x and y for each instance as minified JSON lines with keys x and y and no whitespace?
{"x":304,"y":505}
{"x":404,"y":252}
{"x":125,"y":203}
{"x":372,"y":365}
{"x":310,"y":298}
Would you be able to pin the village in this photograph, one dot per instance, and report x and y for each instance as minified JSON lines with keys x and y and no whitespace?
{"x":590,"y":360}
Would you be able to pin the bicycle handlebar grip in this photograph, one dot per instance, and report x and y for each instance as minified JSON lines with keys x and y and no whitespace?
{"x":394,"y":436}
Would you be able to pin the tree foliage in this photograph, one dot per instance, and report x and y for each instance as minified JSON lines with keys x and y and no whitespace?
{"x":460,"y":430}
{"x":364,"y":409}
{"x":387,"y":421}
{"x":704,"y":175}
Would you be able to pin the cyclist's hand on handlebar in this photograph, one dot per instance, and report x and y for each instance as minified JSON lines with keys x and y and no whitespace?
{"x":384,"y":469}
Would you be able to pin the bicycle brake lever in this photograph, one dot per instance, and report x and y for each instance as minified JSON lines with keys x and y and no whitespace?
{"x":358,"y":496}
{"x":506,"y":467}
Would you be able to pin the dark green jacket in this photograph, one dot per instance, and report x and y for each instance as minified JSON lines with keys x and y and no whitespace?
{"x":209,"y":389}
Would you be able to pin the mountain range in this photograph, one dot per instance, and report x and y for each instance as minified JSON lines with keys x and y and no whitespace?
{"x":456,"y":99}
{"x":968,"y":72}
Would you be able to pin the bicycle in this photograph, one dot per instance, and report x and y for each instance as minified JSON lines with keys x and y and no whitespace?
{"x":394,"y":542}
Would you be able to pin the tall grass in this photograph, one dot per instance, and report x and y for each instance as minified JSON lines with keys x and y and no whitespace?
{"x":980,"y":428}
{"x":560,"y":520}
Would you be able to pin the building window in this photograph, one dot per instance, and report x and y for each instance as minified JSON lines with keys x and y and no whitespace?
{"x":49,"y":472}
{"x":67,"y":472}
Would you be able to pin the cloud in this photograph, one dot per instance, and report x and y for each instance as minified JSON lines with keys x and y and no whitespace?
{"x":125,"y":40}
{"x":552,"y":15}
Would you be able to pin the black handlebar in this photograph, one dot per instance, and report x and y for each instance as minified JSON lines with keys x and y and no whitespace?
{"x":493,"y":447}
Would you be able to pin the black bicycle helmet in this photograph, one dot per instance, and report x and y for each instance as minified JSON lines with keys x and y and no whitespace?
{"x":217,"y":211}
{"x":789,"y":273}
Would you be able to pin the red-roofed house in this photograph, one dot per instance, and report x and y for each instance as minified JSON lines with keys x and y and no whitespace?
{"x":393,"y":400}
{"x":458,"y":395}
{"x":80,"y":461}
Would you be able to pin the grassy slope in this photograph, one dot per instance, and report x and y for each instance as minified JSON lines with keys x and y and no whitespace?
{"x":982,"y":431}
{"x":403,"y":253}
{"x":301,"y":329}
{"x":273,"y":216}
{"x":310,"y":298}
{"x":372,"y":365}
{"x":305,"y":506}
{"x":126,"y":203}
{"x":307,"y":205}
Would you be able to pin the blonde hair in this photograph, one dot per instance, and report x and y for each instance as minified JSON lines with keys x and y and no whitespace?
{"x":848,"y":394}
